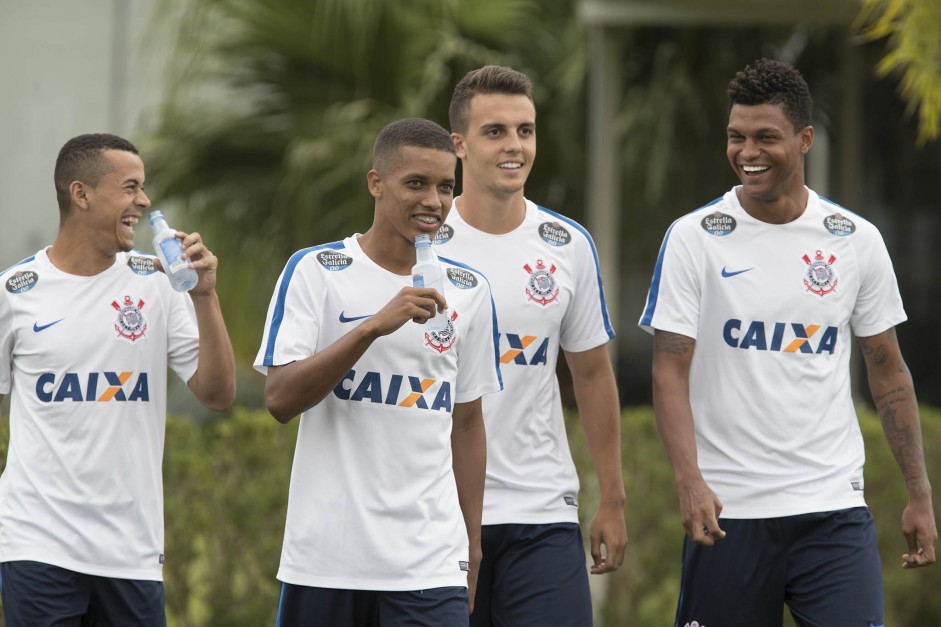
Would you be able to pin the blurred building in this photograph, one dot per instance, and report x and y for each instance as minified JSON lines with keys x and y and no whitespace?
{"x":66,"y":68}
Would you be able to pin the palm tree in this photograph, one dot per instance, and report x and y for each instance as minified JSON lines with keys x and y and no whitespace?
{"x":914,"y":50}
{"x":266,"y":135}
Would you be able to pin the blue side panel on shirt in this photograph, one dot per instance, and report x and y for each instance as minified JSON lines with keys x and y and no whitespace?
{"x":655,"y":281}
{"x":493,"y":314}
{"x":278,"y":314}
{"x":594,"y":252}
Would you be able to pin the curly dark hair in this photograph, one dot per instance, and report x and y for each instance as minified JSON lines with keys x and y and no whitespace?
{"x":767,"y":81}
{"x":82,"y":159}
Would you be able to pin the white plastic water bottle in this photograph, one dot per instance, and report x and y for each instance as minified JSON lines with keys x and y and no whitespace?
{"x":427,"y":273}
{"x":170,"y":251}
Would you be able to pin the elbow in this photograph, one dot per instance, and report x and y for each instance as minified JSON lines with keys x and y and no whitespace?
{"x":222,"y":400}
{"x":280,"y":415}
{"x":279,"y":410}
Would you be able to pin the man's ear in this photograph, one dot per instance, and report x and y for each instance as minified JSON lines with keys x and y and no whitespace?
{"x":807,"y":139}
{"x":458,"y":140}
{"x":374,"y":183}
{"x":78,"y":192}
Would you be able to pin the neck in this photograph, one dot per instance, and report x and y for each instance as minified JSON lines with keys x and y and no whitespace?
{"x":395,"y":254}
{"x":779,"y":210}
{"x":491,"y":213}
{"x":78,"y":257}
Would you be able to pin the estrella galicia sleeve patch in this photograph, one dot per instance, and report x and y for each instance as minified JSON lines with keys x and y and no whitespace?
{"x":554,"y":234}
{"x":838,"y":224}
{"x":462,"y":278}
{"x":141,"y":265}
{"x":22,"y":282}
{"x":444,"y":234}
{"x":333,"y":260}
{"x":718,"y":224}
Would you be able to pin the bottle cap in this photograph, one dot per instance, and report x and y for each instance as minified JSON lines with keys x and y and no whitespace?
{"x":422,"y":240}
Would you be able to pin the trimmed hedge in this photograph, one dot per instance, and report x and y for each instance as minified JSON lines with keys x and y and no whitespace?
{"x":226,"y":485}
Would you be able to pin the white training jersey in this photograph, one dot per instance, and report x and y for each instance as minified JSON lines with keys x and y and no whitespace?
{"x":84,"y":360}
{"x":373,"y":502}
{"x":772,"y":308}
{"x":547,"y":289}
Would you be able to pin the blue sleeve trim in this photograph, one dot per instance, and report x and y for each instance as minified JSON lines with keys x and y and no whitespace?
{"x":591,"y":243}
{"x":278,"y":316}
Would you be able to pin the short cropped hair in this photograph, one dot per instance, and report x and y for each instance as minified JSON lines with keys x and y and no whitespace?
{"x":490,"y":79}
{"x":82,"y":159}
{"x":767,"y":81}
{"x":416,"y":132}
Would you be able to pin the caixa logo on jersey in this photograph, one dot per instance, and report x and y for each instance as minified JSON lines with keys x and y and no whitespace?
{"x":100,"y":387}
{"x":525,"y":350}
{"x":394,"y":389}
{"x":783,"y":337}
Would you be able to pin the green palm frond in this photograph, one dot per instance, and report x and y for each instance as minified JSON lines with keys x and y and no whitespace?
{"x":914,"y":51}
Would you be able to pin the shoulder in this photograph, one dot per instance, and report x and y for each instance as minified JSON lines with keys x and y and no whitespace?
{"x":463,"y":276}
{"x":139,"y":263}
{"x":714,"y":219}
{"x":323,"y":258}
{"x":20,"y":277}
{"x":841,"y":222}
{"x":556,"y":229}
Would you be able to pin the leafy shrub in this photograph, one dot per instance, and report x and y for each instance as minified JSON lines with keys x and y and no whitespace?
{"x":226,"y":485}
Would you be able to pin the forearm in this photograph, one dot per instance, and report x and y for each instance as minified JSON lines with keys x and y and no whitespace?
{"x":893,"y":394}
{"x":469,"y":461}
{"x":897,"y":408}
{"x":672,"y":356}
{"x":213,"y":383}
{"x":600,"y":413}
{"x":293,"y":388}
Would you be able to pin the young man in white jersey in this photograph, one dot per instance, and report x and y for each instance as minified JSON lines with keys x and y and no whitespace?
{"x":753,"y":304}
{"x":546,"y":284}
{"x":88,"y":327}
{"x":383,"y":522}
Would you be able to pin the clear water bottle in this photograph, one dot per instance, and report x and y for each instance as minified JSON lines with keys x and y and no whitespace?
{"x":170,"y":251}
{"x":427,"y":272}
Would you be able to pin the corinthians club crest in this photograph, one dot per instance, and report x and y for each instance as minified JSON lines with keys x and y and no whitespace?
{"x":442,"y":341}
{"x":130,"y":323}
{"x":541,"y":286}
{"x":820,"y":278}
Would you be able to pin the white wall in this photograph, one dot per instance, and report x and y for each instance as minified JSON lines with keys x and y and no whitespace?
{"x":67,"y":67}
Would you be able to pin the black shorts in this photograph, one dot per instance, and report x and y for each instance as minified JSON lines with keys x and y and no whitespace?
{"x":40,"y":595}
{"x":532,"y":576}
{"x":824,"y":567}
{"x":306,"y":606}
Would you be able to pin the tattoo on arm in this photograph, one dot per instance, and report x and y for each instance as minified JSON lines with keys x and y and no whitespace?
{"x":877,"y":352}
{"x":896,"y":405}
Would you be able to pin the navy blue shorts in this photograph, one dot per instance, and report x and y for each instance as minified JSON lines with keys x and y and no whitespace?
{"x":40,"y":595}
{"x":824,"y":567}
{"x":305,"y":606}
{"x":532,"y":576}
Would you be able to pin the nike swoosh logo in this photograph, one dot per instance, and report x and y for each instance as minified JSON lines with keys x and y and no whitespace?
{"x":727,"y":273}
{"x":38,"y":327}
{"x":343,"y":318}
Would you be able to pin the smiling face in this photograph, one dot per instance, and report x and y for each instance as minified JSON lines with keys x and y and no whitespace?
{"x":113,"y":207}
{"x":413,"y":192}
{"x":499,"y":146}
{"x":767,"y":153}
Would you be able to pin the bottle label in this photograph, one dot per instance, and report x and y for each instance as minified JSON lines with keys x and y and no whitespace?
{"x":418,"y":280}
{"x":173,"y":251}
